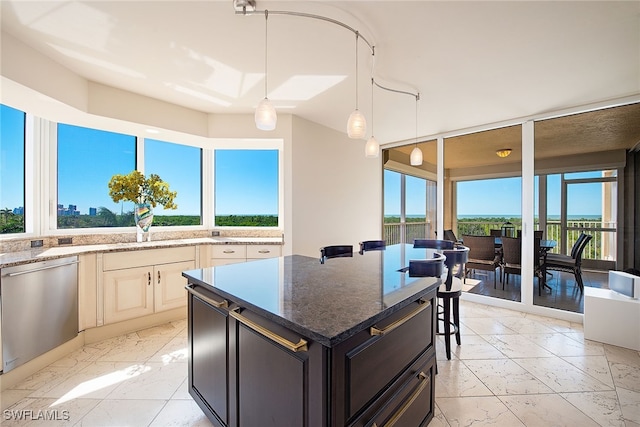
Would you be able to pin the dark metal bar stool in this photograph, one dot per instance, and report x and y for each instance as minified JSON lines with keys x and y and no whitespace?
{"x":449,"y":293}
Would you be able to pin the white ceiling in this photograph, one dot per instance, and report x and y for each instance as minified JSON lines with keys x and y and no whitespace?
{"x":473,"y":62}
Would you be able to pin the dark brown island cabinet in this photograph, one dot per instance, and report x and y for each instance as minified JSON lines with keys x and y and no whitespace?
{"x":291,"y":342}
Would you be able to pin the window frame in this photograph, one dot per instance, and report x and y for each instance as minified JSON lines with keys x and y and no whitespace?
{"x":248,"y":144}
{"x":41,"y":162}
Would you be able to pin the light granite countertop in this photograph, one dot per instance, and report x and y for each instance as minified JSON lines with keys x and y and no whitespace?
{"x":9,"y":259}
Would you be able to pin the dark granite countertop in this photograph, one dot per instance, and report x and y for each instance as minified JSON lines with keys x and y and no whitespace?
{"x":327,"y":303}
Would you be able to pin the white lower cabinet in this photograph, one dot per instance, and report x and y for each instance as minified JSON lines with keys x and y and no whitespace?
{"x":128,"y":293}
{"x":169,"y":285}
{"x":143,"y":282}
{"x":231,"y":254}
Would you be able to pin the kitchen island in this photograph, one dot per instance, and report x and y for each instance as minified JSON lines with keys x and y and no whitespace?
{"x":288,"y":341}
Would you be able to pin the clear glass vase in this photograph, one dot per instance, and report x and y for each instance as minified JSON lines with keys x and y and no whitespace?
{"x":143,"y":214}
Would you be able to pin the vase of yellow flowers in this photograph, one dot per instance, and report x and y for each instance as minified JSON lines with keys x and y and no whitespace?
{"x":146,"y":193}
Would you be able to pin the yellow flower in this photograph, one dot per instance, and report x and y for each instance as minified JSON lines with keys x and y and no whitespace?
{"x":135,"y":188}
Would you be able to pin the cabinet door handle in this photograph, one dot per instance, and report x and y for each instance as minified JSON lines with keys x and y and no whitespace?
{"x":149,"y":278}
{"x":228,"y":251}
{"x":264,"y":251}
{"x":158,"y":277}
{"x":300,"y":346}
{"x":395,"y":417}
{"x":206,"y":299}
{"x":422,"y":306}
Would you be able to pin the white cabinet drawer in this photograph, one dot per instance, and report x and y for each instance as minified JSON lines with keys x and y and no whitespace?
{"x":229,"y":251}
{"x":263,"y":251}
{"x":145,"y":257}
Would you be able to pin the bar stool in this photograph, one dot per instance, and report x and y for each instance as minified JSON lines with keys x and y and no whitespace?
{"x":449,"y":293}
{"x":451,"y":290}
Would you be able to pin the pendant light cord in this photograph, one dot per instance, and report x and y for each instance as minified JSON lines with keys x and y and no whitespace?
{"x":357,"y":36}
{"x":372,"y":82}
{"x":266,"y":34}
{"x":333,"y":21}
{"x":417,"y":120}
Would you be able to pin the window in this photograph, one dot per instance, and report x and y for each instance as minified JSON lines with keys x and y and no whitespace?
{"x":409,"y":207}
{"x":487,"y":204}
{"x":87,"y":159}
{"x":12,"y":170}
{"x":181,"y":167}
{"x":246,"y":187}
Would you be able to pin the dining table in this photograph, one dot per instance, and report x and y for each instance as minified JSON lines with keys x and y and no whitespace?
{"x":546,"y":245}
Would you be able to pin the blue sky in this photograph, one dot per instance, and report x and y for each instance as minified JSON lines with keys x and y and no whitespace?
{"x":246,"y":180}
{"x":495,"y":197}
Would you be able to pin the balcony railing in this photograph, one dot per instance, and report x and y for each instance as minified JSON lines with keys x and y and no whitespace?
{"x":394,"y":232}
{"x":601,"y":247}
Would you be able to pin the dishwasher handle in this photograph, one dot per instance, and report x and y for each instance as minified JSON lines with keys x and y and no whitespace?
{"x":48,"y":267}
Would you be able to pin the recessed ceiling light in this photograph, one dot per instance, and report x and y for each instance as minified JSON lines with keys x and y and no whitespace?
{"x":503,"y":152}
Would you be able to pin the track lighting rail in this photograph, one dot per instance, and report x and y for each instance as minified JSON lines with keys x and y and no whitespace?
{"x":372,"y":48}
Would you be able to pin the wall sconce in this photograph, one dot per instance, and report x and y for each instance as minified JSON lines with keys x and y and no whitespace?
{"x":503,"y":152}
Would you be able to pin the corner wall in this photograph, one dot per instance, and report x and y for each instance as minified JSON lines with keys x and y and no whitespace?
{"x":337,"y":191}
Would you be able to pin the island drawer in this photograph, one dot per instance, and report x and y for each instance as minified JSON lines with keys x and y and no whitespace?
{"x":377,"y":356}
{"x":407,"y":402}
{"x":229,"y":251}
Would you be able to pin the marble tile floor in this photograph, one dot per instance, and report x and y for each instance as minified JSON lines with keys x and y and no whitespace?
{"x":512,"y":369}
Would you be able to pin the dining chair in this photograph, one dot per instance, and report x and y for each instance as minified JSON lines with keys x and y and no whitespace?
{"x":570,"y":263}
{"x":372,"y":245}
{"x":495,"y":232}
{"x":512,"y":260}
{"x":450,"y":235}
{"x":335,"y":251}
{"x":482,"y":254}
{"x":537,"y":234}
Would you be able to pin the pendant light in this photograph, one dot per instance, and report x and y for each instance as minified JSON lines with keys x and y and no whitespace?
{"x":416,"y":153}
{"x":372,"y":148}
{"x":265,"y":116}
{"x":356,"y":125}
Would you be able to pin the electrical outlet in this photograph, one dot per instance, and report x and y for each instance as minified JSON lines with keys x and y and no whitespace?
{"x":65,"y":241}
{"x":37,"y":243}
{"x":215,"y":233}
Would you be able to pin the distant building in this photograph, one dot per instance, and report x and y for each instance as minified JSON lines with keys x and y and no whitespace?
{"x":18,"y":211}
{"x":93,"y":211}
{"x":71,"y":210}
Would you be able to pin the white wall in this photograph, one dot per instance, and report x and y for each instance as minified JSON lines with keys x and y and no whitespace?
{"x":337,"y":191}
{"x":332,"y":193}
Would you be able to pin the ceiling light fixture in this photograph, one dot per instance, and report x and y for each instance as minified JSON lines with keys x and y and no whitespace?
{"x":357,"y":124}
{"x":416,"y":153}
{"x":372,"y":148}
{"x":503,"y":152}
{"x":265,"y":116}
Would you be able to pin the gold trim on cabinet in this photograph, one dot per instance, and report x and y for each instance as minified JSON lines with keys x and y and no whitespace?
{"x":218,"y":304}
{"x":400,"y":412}
{"x":299,"y":346}
{"x":377,"y":331}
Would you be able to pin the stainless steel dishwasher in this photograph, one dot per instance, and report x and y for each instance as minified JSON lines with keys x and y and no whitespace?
{"x":38,"y":308}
